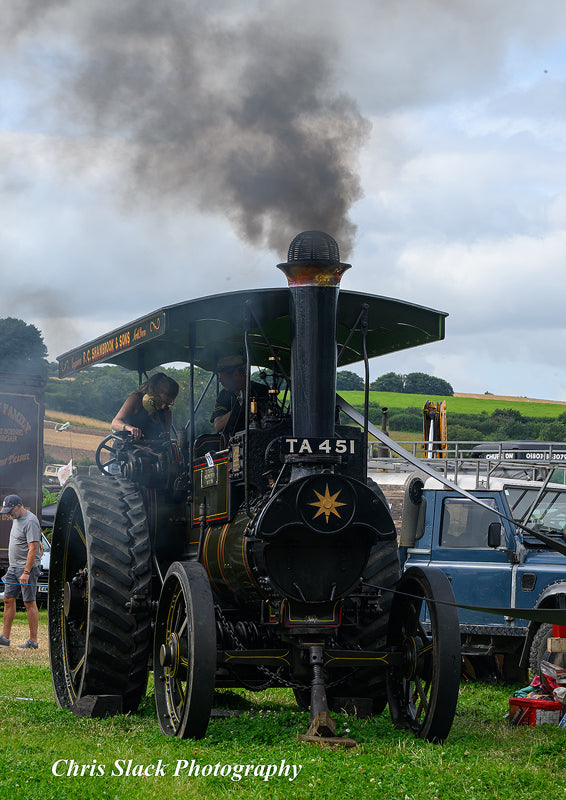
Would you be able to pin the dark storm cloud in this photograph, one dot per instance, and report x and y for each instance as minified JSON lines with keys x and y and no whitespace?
{"x":236,"y":114}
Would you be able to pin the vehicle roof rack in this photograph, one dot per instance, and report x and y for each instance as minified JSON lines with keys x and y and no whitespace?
{"x":526,"y":461}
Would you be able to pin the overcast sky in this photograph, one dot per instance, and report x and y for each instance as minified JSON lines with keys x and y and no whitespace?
{"x":156,"y":152}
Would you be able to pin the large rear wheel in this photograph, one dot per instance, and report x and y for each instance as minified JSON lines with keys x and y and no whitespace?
{"x":99,"y":593}
{"x":185,"y":652}
{"x":423,"y":690}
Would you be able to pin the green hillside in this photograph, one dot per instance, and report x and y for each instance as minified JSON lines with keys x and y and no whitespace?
{"x":458,"y":405}
{"x":489,"y":418}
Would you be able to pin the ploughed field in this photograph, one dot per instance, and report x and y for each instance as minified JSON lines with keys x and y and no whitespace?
{"x":78,"y":441}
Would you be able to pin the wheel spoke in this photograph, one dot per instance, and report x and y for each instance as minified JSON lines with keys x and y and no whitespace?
{"x":180,"y":617}
{"x":78,"y":529}
{"x":428,"y":648}
{"x":75,"y":671}
{"x":407,"y":694}
{"x":422,"y":694}
{"x":182,"y":695}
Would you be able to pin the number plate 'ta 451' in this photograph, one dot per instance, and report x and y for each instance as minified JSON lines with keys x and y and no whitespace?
{"x":312,"y":446}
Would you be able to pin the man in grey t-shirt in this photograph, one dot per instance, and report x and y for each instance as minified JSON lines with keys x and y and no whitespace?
{"x":24,"y":555}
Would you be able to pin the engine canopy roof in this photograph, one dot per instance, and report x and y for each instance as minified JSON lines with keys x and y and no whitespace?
{"x":203,"y":329}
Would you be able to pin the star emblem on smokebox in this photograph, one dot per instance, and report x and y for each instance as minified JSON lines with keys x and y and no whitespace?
{"x":327,"y":504}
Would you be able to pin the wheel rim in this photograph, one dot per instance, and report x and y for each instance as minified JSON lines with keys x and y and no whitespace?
{"x":414,"y":687}
{"x":174,"y":659}
{"x":69,"y":604}
{"x":423,"y":690}
{"x":185,"y":652}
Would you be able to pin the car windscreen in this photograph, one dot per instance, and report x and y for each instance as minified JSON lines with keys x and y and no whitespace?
{"x":544,"y":511}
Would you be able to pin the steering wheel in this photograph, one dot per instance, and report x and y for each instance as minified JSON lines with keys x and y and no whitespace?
{"x":113,"y":445}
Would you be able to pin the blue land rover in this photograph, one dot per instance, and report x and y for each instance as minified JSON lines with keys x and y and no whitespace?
{"x":490,"y":561}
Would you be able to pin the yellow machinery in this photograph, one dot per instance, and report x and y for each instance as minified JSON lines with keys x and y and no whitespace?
{"x":434,"y":429}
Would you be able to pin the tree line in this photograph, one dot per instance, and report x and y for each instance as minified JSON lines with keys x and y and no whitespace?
{"x":501,"y":425}
{"x":413,"y":383}
{"x":99,"y":393}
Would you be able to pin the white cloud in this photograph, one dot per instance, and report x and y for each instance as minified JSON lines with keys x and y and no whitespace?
{"x":464,"y":175}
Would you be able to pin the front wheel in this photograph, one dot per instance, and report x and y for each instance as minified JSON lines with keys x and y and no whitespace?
{"x":423,"y":690}
{"x":184,"y":652}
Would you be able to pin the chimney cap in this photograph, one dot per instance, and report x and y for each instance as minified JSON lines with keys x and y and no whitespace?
{"x":313,"y":246}
{"x":313,"y":260}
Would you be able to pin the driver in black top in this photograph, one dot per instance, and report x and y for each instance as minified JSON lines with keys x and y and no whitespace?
{"x":146,"y":413}
{"x":229,"y":412}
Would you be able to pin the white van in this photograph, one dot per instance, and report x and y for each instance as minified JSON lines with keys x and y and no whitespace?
{"x":50,"y":473}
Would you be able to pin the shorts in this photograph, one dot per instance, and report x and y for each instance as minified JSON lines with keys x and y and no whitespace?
{"x":13,"y":587}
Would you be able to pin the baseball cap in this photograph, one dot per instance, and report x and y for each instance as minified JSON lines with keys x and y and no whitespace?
{"x":230,"y":363}
{"x":10,"y":501}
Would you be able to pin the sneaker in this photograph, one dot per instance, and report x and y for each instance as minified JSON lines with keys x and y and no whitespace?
{"x":4,"y":642}
{"x":29,"y":645}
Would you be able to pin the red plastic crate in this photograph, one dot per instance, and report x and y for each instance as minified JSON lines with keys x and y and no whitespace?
{"x":530,"y":711}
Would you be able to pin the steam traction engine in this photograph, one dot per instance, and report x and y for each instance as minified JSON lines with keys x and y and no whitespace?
{"x":258,"y":559}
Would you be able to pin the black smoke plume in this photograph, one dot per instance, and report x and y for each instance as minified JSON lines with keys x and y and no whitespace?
{"x":230,"y":108}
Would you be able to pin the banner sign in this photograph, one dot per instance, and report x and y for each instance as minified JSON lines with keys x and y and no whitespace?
{"x":21,"y":446}
{"x":123,"y":339}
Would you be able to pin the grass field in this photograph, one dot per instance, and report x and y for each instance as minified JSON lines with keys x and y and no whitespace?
{"x":482,"y":758}
{"x":458,"y":405}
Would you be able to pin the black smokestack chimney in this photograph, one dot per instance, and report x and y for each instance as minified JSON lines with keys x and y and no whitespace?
{"x":313,"y":271}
